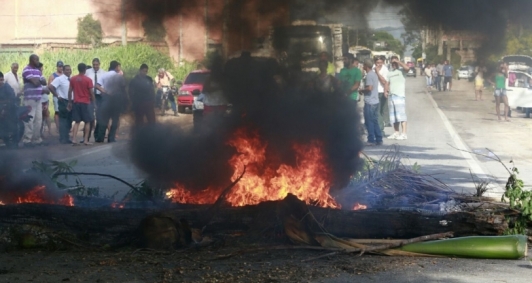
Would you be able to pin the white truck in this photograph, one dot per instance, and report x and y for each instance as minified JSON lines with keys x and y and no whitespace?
{"x":519,"y":81}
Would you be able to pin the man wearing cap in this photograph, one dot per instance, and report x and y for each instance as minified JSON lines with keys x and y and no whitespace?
{"x":96,"y":74}
{"x":59,"y":71}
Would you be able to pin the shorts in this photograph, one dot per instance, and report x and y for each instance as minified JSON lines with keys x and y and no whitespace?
{"x":448,"y":80}
{"x":80,"y":113}
{"x":91,"y":111}
{"x":397,"y":107}
{"x":500,"y":92}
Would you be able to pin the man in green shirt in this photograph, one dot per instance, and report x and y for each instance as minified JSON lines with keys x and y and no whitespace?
{"x":350,"y":77}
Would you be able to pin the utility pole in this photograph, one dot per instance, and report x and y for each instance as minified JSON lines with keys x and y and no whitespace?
{"x":206,"y":22}
{"x":180,"y":59}
{"x":224,"y":29}
{"x":124,"y":22}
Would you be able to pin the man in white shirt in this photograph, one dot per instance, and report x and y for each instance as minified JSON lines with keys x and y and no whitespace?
{"x":59,"y":88}
{"x":382,"y":70}
{"x":96,"y":74}
{"x":12,"y":79}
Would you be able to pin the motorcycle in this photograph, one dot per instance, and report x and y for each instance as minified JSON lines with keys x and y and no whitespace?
{"x":12,"y":118}
{"x":168,"y":96}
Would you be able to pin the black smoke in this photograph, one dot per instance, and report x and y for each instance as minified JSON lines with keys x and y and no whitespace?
{"x":16,"y":181}
{"x":280,"y":113}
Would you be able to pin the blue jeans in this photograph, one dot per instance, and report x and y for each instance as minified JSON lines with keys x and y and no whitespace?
{"x":371,"y":120}
{"x":438,"y":82}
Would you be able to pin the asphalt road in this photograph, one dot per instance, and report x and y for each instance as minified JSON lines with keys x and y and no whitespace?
{"x":437,"y":123}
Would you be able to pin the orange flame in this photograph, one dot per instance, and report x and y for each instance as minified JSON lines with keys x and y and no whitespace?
{"x":309,"y":180}
{"x":359,"y":206}
{"x":38,"y":195}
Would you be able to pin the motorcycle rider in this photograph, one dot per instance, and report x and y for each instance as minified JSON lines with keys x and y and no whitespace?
{"x":164,"y":80}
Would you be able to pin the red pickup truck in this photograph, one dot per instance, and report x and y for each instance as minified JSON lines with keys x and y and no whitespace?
{"x":193,"y":81}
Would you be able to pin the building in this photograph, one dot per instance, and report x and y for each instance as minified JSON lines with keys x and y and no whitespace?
{"x":225,"y":25}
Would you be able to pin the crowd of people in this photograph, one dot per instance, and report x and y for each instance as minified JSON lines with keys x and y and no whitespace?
{"x":439,"y":77}
{"x":382,"y":87}
{"x":93,"y":96}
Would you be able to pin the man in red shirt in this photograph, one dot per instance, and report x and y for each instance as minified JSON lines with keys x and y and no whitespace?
{"x":83,"y":90}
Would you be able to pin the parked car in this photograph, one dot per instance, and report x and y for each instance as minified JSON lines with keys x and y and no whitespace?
{"x":519,"y":82}
{"x":466,"y":73}
{"x":193,"y":81}
{"x":411,"y":72}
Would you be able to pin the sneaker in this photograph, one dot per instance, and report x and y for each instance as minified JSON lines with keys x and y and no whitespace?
{"x":394,"y":136}
{"x":402,"y":137}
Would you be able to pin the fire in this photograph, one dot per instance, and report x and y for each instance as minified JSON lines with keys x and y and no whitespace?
{"x":38,"y":195}
{"x":180,"y":195}
{"x":309,"y":179}
{"x":359,"y":206}
{"x":117,"y":205}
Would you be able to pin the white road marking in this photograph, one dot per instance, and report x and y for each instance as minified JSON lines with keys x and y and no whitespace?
{"x":458,"y":142}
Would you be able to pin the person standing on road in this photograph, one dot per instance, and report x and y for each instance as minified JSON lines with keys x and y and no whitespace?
{"x":96,"y":74}
{"x":434,"y":75}
{"x":439,"y":80}
{"x":82,"y":86}
{"x":11,"y":78}
{"x":325,"y":84}
{"x":382,"y":71}
{"x":59,"y":88}
{"x":142,"y":97}
{"x":397,"y":101}
{"x":499,"y":83}
{"x":350,"y":77}
{"x":480,"y":70}
{"x":33,"y":83}
{"x":324,"y":57}
{"x":45,"y":101}
{"x":448,"y":76}
{"x":428,"y":76}
{"x":371,"y":105}
{"x":114,"y":101}
{"x":58,"y":72}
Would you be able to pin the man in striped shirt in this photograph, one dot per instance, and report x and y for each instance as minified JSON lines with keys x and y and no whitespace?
{"x":33,"y":82}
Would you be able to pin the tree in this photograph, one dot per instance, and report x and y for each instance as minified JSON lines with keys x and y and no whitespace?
{"x":89,"y":31}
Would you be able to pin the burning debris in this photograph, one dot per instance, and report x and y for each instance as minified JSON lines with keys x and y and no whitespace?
{"x":27,"y":186}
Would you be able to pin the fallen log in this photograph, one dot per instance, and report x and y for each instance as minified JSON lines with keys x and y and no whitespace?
{"x":116,"y":227}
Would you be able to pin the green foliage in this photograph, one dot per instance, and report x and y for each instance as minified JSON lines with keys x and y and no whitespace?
{"x":154,"y":29}
{"x":519,"y":199}
{"x":50,"y":168}
{"x":89,"y":31}
{"x":130,"y":56}
{"x":417,"y":52}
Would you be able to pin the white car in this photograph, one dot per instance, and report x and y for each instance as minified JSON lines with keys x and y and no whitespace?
{"x":519,"y":81}
{"x":465,"y":72}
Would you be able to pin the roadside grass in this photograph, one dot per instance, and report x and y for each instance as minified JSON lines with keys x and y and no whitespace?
{"x":130,"y":56}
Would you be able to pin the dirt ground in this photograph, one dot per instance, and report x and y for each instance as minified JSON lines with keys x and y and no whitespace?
{"x":191,"y":266}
